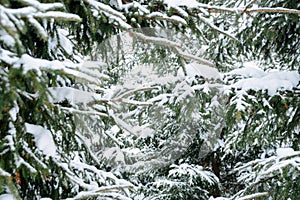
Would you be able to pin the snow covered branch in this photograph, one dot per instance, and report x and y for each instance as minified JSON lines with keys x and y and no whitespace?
{"x":164,"y":17}
{"x":25,"y":12}
{"x":177,"y":47}
{"x":109,"y":12}
{"x":252,"y":196}
{"x":102,"y":192}
{"x":271,"y":10}
{"x":42,"y":6}
{"x":205,"y":20}
{"x":57,"y":15}
{"x":221,"y":9}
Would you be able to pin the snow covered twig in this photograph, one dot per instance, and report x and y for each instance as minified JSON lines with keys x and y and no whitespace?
{"x":110,"y":12}
{"x":42,"y":6}
{"x":252,"y":196}
{"x":272,"y":10}
{"x":163,"y":17}
{"x":171,"y":44}
{"x":216,"y":28}
{"x":220,"y":9}
{"x":100,"y":192}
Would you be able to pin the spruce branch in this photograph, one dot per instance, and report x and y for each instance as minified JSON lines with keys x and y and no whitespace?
{"x":100,"y":192}
{"x":271,"y":10}
{"x":177,"y":47}
{"x":252,"y":196}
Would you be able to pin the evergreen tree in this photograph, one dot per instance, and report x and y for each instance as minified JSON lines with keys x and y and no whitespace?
{"x":163,"y":111}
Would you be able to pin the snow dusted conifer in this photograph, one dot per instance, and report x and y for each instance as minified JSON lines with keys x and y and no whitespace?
{"x":65,"y":128}
{"x":42,"y":155}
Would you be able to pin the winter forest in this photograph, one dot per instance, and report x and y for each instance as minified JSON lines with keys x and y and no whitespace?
{"x":163,"y":99}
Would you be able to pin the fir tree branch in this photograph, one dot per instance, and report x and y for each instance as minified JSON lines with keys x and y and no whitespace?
{"x":42,"y":6}
{"x":173,"y":19}
{"x":271,"y":10}
{"x":131,"y":92}
{"x":177,"y":47}
{"x":219,"y":9}
{"x":216,"y":28}
{"x":252,"y":196}
{"x":250,"y":4}
{"x":85,"y":112}
{"x":57,"y":15}
{"x":100,"y":192}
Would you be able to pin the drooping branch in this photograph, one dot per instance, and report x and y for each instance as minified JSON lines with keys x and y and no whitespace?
{"x":176,"y":46}
{"x":205,"y":20}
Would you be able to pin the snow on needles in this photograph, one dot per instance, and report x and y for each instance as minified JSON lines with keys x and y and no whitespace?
{"x":188,"y":3}
{"x":195,"y":69}
{"x":30,"y":63}
{"x":43,"y":139}
{"x":256,"y":79}
{"x":6,"y":197}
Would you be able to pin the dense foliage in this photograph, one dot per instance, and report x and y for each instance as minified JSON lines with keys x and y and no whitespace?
{"x":149,"y":99}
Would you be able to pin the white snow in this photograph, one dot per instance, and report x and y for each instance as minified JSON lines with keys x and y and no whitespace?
{"x":57,"y":14}
{"x":256,"y":79}
{"x":187,"y":3}
{"x":114,"y":152}
{"x":253,"y":196}
{"x":7,"y":197}
{"x":248,"y":72}
{"x":111,"y":13}
{"x":30,"y":63}
{"x":43,"y":6}
{"x":74,"y":96}
{"x":43,"y":139}
{"x":174,"y":18}
{"x":40,"y":29}
{"x":144,"y":76}
{"x":195,"y":69}
{"x":218,"y":198}
{"x":178,"y":19}
{"x":65,"y":43}
{"x":7,"y":56}
{"x":285,"y":151}
{"x":143,"y":131}
{"x":4,"y":173}
{"x":8,"y":40}
{"x":155,"y":14}
{"x":271,"y":82}
{"x":14,"y":111}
